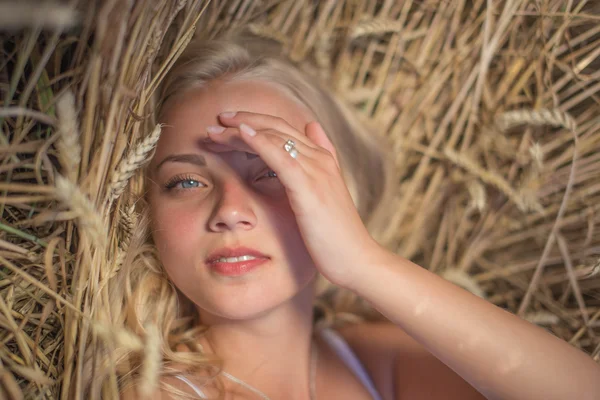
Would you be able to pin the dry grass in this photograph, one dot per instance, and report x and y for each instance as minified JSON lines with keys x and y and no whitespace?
{"x":131,"y":163}
{"x":492,"y":114}
{"x":69,"y":150}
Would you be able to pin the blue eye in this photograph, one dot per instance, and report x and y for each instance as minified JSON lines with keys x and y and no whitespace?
{"x":189,"y":183}
{"x":181,"y":183}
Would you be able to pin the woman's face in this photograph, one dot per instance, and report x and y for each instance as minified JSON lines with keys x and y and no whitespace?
{"x":205,"y":203}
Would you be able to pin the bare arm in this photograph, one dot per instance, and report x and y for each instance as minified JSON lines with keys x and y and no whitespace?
{"x":498,"y":353}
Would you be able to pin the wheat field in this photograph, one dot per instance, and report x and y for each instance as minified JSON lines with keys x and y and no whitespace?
{"x":491,"y":108}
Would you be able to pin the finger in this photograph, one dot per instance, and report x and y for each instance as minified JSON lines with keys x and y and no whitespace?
{"x":227,"y":139}
{"x":315,"y":132}
{"x":260,"y":122}
{"x":232,"y":139}
{"x":269,"y":145}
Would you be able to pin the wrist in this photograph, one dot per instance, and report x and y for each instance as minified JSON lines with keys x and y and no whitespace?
{"x":370,"y":262}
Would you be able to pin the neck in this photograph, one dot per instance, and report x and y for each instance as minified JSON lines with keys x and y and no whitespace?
{"x":268,"y":349}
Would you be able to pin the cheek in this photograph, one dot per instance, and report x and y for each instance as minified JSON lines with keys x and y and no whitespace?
{"x":284,"y":221}
{"x":175,"y":228}
{"x":172,"y":220}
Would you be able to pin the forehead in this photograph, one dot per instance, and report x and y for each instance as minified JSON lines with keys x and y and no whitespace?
{"x":187,"y":115}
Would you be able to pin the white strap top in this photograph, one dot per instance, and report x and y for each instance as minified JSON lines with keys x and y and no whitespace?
{"x":341,"y":348}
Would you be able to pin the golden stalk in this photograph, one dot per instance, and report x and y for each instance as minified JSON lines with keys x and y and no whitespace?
{"x":132,"y":162}
{"x":463,"y":92}
{"x":88,"y":217}
{"x":69,"y":150}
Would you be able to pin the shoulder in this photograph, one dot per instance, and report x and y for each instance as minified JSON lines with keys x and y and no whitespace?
{"x":380,"y":343}
{"x":374,"y":335}
{"x":401,"y":367}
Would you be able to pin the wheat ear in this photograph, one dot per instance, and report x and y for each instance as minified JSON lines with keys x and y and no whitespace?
{"x":152,"y":360}
{"x":127,"y":223}
{"x":478,"y":195}
{"x":52,"y":15}
{"x":523,"y":203}
{"x":542,"y":318}
{"x":89,"y":219}
{"x":268,"y":32}
{"x":544,"y":116}
{"x":69,"y":149}
{"x":134,"y":160}
{"x":379,"y":26}
{"x":119,"y":336}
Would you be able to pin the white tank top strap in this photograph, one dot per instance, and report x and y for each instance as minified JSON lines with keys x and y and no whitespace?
{"x":342,"y":349}
{"x":194,"y":387}
{"x":339,"y":345}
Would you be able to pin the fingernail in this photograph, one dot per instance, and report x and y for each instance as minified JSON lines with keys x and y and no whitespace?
{"x":228,"y":114}
{"x":247,"y":130}
{"x":215,"y":129}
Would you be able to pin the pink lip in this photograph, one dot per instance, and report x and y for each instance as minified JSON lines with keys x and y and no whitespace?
{"x":233,"y":252}
{"x":236,"y":268}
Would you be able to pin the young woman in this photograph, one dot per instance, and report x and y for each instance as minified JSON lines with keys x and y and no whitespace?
{"x":261,"y":182}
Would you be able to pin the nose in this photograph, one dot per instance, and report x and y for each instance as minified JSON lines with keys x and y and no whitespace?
{"x":233,"y":209}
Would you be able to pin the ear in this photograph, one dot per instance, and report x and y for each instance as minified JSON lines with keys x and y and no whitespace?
{"x":316,"y":134}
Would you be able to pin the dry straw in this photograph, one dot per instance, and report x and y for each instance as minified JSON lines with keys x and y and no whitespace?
{"x":89,"y":220}
{"x":131,"y":163}
{"x":491,"y":110}
{"x":69,"y":150}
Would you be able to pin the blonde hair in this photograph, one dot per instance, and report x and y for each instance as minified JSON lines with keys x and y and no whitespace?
{"x":142,"y":293}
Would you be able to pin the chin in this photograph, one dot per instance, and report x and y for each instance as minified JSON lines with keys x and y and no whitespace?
{"x":250,"y":301}
{"x":240,"y":308}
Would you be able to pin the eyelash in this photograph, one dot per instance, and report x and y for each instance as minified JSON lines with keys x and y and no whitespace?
{"x":173,"y":182}
{"x":270,"y":170}
{"x":178,"y":179}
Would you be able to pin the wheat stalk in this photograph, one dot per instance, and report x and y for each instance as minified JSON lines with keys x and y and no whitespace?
{"x":594,"y":270}
{"x":268,"y":32}
{"x":380,"y":26}
{"x":542,"y":318}
{"x":323,"y":54}
{"x":553,"y":117}
{"x":127,"y":223}
{"x":466,"y":60}
{"x":478,"y":195}
{"x":88,"y":217}
{"x":537,"y":155}
{"x":120,"y":337}
{"x":152,"y":361}
{"x":524,"y":204}
{"x":69,"y":149}
{"x":22,"y":14}
{"x":134,"y":160}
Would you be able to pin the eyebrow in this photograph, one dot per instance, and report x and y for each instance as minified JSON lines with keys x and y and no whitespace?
{"x":195,"y":159}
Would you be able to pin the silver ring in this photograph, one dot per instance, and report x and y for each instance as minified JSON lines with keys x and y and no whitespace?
{"x":289,"y":145}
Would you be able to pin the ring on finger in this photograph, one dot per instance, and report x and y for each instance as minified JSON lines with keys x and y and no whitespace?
{"x":290,"y":147}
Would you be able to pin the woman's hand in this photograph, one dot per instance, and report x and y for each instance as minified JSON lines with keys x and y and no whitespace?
{"x":329,"y":223}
